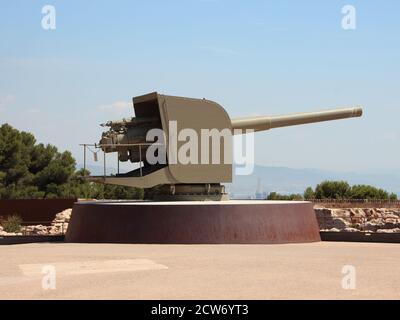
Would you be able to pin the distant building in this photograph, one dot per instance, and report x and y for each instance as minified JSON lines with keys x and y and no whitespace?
{"x":260,"y":195}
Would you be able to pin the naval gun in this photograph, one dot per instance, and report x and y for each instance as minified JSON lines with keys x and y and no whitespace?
{"x":199,"y":178}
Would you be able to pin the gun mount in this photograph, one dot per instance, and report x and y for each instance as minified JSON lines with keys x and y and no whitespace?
{"x":201,"y":177}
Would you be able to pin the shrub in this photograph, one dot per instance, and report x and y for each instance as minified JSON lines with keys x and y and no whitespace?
{"x":12,"y":224}
{"x":287,"y":197}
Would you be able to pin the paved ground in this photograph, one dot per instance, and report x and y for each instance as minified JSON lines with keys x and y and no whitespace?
{"x":114,"y":271}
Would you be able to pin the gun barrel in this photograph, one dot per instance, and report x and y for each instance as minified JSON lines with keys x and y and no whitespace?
{"x":262,"y":123}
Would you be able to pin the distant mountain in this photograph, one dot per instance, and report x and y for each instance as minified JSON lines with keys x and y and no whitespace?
{"x":287,"y":180}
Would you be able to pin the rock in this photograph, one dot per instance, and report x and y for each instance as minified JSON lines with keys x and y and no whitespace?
{"x":370,"y":213}
{"x":395,"y":230}
{"x":341,"y":213}
{"x":351,"y":230}
{"x":374,"y":225}
{"x":63,"y":216}
{"x":391,"y":223}
{"x":323,"y":213}
{"x":58,"y":226}
{"x":361,"y":219}
{"x":53,"y":232}
{"x":391,"y":215}
{"x":60,"y":222}
{"x":340,"y":223}
{"x":357,"y":215}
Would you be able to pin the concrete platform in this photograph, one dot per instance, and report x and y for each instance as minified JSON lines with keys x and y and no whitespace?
{"x":131,"y":271}
{"x":193,"y":222}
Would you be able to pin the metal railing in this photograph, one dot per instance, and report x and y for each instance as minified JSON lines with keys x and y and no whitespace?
{"x":101,"y":146}
{"x":364,"y":203}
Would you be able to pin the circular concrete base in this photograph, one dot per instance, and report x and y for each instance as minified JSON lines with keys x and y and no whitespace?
{"x":193,"y":222}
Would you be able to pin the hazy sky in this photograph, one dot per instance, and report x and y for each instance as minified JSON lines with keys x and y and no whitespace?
{"x":252,"y":57}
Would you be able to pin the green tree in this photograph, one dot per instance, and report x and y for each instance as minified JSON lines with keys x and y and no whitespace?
{"x":393,"y":196}
{"x":309,"y":194}
{"x":342,"y":190}
{"x":30,"y":170}
{"x":332,"y":190}
{"x":361,"y":191}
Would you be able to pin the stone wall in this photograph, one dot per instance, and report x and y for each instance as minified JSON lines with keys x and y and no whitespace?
{"x":381,"y":220}
{"x":358,"y":219}
{"x":58,"y":226}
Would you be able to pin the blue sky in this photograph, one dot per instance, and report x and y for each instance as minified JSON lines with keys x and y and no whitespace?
{"x":252,"y":57}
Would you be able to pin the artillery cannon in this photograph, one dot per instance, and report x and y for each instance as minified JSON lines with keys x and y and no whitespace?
{"x":165,"y":124}
{"x":201,"y":177}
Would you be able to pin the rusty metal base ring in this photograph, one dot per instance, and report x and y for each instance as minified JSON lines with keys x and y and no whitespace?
{"x":194,"y":222}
